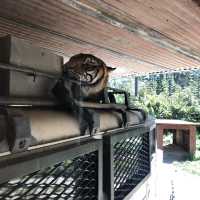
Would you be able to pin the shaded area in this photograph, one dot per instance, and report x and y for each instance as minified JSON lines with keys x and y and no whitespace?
{"x":197,"y":2}
{"x":173,"y":153}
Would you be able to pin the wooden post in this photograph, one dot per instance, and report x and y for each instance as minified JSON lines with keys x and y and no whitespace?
{"x":159,"y":135}
{"x":136,"y":86}
{"x":174,"y":136}
{"x":192,"y":140}
{"x":179,"y":137}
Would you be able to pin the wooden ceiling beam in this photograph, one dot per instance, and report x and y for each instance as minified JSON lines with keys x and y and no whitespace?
{"x":67,"y":47}
{"x":114,"y":16}
{"x":106,"y":28}
{"x":82,"y":42}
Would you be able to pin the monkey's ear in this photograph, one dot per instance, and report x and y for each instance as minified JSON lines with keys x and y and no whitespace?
{"x":110,"y":69}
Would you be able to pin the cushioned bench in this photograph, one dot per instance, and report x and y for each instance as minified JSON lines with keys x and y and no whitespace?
{"x":29,"y":116}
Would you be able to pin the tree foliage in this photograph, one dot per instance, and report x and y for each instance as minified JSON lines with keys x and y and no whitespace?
{"x":167,"y":96}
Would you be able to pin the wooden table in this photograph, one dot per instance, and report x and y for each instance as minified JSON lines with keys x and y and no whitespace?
{"x":184,"y":136}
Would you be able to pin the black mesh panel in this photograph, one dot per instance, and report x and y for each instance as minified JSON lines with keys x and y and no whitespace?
{"x":75,"y":179}
{"x":131,"y":164}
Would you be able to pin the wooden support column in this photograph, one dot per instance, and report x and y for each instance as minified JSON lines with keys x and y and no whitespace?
{"x":136,"y":86}
{"x":192,"y":140}
{"x":174,"y":137}
{"x":159,"y":135}
{"x":179,"y":137}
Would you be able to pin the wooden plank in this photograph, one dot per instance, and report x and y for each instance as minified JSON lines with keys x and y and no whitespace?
{"x":117,"y":32}
{"x":176,"y":19}
{"x":118,"y":17}
{"x":70,"y":47}
{"x":20,"y":52}
{"x":176,"y":122}
{"x":19,"y":84}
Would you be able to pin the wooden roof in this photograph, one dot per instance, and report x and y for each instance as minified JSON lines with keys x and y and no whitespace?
{"x":136,"y":36}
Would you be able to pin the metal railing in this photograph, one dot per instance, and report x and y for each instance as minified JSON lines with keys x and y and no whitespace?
{"x":93,"y":169}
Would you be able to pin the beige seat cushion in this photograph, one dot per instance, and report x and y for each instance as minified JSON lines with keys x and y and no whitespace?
{"x":52,"y":125}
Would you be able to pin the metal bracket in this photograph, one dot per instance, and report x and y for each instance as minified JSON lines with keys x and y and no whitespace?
{"x":18,"y":131}
{"x":3,"y":133}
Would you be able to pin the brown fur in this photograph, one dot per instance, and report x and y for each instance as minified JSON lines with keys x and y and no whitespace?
{"x":88,"y":72}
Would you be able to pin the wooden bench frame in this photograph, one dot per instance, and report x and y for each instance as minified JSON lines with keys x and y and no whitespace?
{"x":179,"y":126}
